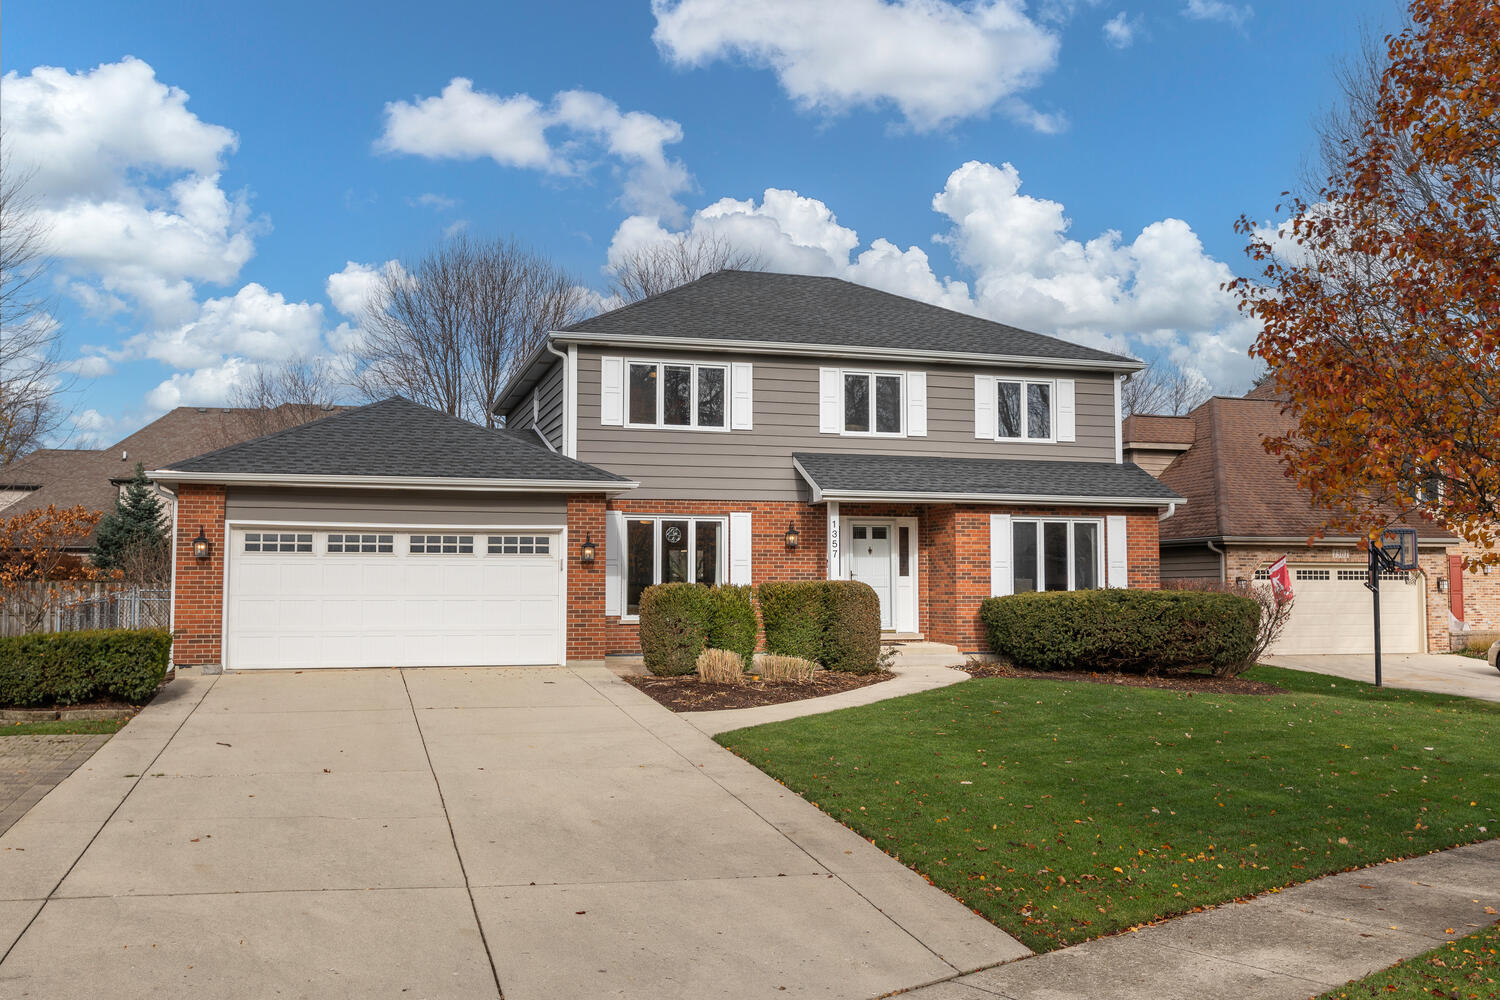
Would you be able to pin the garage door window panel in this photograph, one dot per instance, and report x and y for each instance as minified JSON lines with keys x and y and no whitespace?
{"x":345,"y":544}
{"x":446,"y":545}
{"x":519,"y":545}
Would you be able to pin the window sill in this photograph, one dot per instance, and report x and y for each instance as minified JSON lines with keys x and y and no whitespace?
{"x":674,"y":427}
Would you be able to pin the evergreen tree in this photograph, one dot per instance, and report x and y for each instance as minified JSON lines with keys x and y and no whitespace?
{"x":135,"y":530}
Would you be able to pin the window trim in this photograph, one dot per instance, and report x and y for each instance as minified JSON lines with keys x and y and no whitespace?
{"x":721,"y":571}
{"x":661,"y":397}
{"x":1023,"y":382}
{"x":871,"y":374}
{"x":1041,"y":561}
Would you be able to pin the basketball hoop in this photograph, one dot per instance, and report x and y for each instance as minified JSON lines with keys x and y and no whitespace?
{"x":1398,"y":548}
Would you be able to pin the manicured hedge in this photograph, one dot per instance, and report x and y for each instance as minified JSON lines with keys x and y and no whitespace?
{"x":832,"y":622}
{"x":1129,"y":631}
{"x":65,"y":668}
{"x":680,"y":620}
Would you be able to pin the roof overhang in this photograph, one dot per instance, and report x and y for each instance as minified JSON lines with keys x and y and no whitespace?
{"x":526,"y":376}
{"x":820,"y":495}
{"x":1155,"y":446}
{"x":441,"y":483}
{"x":1429,"y":542}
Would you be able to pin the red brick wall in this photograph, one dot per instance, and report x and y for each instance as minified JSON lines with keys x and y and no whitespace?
{"x":586,"y":628}
{"x":198,"y":598}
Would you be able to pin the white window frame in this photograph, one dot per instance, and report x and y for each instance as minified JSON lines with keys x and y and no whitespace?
{"x":721,"y":571}
{"x":1041,"y":562}
{"x":661,"y":396}
{"x":871,"y":374}
{"x":1051,"y":383}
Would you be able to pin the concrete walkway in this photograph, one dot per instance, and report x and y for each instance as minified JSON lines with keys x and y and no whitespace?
{"x":451,"y":833}
{"x":1289,"y":945}
{"x":1443,"y":673}
{"x":921,"y":671}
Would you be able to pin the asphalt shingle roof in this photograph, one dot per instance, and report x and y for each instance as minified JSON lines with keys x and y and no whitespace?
{"x":396,"y":438}
{"x":760,"y":306}
{"x":981,"y":477}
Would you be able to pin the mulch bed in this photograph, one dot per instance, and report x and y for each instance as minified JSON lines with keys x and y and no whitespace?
{"x":1191,"y":683}
{"x":688,"y":694}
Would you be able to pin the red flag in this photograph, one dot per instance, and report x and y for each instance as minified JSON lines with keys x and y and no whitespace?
{"x":1281,"y":580}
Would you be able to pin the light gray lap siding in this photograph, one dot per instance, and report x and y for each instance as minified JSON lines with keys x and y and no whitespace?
{"x":411,"y":507}
{"x":1190,"y":562}
{"x":757,"y":465}
{"x":548,"y":408}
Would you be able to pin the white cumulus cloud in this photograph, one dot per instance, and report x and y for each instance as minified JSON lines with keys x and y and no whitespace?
{"x":207,"y":386}
{"x":1156,"y":293}
{"x":254,"y":323}
{"x":563,"y":137}
{"x":1218,"y":10}
{"x":1120,"y":30}
{"x":935,"y":61}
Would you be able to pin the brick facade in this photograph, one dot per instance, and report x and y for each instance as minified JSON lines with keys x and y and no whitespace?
{"x":198,"y":599}
{"x":1481,"y":593}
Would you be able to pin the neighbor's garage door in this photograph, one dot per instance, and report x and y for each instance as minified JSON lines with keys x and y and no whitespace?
{"x":1332,"y":612}
{"x":441,"y":597}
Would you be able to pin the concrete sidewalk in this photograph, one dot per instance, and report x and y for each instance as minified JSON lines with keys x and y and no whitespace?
{"x":550,"y":832}
{"x":1440,"y":673}
{"x":1288,"y":945}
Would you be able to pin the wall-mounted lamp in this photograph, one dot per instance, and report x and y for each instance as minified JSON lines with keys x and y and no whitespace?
{"x":202,"y":547}
{"x":587,"y":551}
{"x":1442,"y":584}
{"x":1239,"y":581}
{"x":792,"y":537}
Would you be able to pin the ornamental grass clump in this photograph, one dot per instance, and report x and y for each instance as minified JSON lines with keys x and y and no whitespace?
{"x":778,"y":669}
{"x":720,"y":666}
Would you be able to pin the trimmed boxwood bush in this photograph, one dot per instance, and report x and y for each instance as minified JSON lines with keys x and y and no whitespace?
{"x":832,"y":622}
{"x":680,"y":620}
{"x":1129,"y":631}
{"x":65,"y":668}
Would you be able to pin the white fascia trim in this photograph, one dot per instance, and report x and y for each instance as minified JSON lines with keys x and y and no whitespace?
{"x":842,"y":351}
{"x":395,"y":482}
{"x":1422,"y":543}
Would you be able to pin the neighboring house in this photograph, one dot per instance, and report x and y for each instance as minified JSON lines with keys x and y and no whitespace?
{"x":742,"y":428}
{"x":1243,"y":514}
{"x":94,"y":477}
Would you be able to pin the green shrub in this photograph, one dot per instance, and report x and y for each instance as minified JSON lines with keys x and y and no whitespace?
{"x":1129,"y":631}
{"x":734,"y":626}
{"x":680,"y":620}
{"x":66,"y":668}
{"x":793,"y":613}
{"x":832,"y":622}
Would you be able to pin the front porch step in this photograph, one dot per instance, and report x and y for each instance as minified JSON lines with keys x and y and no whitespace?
{"x":926,"y":654}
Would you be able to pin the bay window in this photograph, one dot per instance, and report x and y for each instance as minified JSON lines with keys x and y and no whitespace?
{"x":1055,"y":554}
{"x":667,"y":394}
{"x":1023,"y":410}
{"x":671,"y":550}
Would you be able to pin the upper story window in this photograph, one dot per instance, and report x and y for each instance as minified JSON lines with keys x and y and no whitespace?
{"x":667,"y":394}
{"x":1023,"y":410}
{"x":873,"y":402}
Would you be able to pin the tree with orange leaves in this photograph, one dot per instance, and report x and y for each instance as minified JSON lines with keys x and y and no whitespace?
{"x":40,"y":565}
{"x":1380,"y":302}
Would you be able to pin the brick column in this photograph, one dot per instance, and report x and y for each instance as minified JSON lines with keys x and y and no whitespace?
{"x":198,"y":597}
{"x":587,"y":635}
{"x":1143,"y":550}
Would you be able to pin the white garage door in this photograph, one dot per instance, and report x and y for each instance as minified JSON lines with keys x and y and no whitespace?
{"x":1332,"y":612}
{"x":314,"y":597}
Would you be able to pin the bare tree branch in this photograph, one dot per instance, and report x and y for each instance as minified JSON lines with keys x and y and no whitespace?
{"x":658,"y":267}
{"x":274,"y":397}
{"x":1163,"y":389}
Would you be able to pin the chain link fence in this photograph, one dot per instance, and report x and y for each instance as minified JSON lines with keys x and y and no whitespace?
{"x":99,"y":607}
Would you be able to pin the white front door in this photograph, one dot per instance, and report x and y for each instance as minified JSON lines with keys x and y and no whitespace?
{"x":870,"y":562}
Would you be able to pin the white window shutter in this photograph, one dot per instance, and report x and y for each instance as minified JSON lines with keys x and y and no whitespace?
{"x":739,"y":548}
{"x":830,"y":401}
{"x":1001,"y":580}
{"x":1067,"y":419}
{"x":916,"y":404}
{"x":741,"y":396}
{"x":614,"y":562}
{"x":984,"y":407}
{"x":612,"y":391}
{"x":1117,"y":555}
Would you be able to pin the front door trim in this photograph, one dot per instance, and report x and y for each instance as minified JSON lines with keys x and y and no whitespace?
{"x":904,"y":589}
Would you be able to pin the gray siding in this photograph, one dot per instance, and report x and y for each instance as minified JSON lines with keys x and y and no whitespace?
{"x":413,"y":507}
{"x":757,"y":464}
{"x":1190,"y":562}
{"x":550,"y":398}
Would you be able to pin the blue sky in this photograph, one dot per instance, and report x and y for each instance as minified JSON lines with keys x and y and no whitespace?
{"x":224,"y":180}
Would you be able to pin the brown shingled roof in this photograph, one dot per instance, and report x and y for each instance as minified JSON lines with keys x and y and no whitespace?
{"x":1156,"y":429}
{"x":1234,"y":487}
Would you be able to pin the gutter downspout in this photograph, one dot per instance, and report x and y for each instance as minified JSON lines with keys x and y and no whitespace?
{"x":1223,"y":568}
{"x":567,"y":417}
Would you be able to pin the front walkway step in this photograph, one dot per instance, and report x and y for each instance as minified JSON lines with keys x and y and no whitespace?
{"x":1287,"y":945}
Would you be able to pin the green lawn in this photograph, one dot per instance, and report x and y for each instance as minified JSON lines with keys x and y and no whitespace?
{"x":1064,"y":811}
{"x":1467,"y":967}
{"x":62,"y":727}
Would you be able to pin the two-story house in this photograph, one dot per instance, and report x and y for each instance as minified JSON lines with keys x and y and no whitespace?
{"x":742,"y":428}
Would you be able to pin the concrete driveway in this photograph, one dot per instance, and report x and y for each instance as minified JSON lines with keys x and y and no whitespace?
{"x":1443,"y":673}
{"x":450,"y":833}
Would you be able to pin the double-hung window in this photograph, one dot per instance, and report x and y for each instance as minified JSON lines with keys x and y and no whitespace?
{"x":671,"y":550}
{"x":669,"y":394}
{"x":1050,"y":554}
{"x":873,"y":403}
{"x":1024,"y":410}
